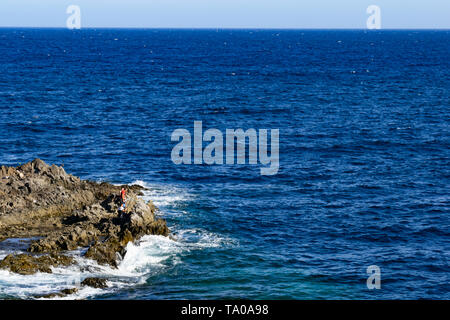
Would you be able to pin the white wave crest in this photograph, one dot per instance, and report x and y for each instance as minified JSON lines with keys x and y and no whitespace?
{"x":164,"y":196}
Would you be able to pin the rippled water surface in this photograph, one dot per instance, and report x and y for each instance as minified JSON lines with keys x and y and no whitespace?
{"x":364,"y":156}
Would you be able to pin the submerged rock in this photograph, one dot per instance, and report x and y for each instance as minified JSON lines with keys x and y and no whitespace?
{"x":62,"y":293}
{"x":94,"y":283}
{"x":65,"y":212}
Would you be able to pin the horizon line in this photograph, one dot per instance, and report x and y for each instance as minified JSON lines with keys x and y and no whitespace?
{"x":228,"y":28}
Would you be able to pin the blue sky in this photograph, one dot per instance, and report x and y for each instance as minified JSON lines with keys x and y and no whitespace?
{"x":226,"y":13}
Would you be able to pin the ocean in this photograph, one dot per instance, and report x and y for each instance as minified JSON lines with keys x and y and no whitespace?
{"x":364,"y":172}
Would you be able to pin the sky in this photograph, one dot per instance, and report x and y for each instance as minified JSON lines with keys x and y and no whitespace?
{"x":304,"y":14}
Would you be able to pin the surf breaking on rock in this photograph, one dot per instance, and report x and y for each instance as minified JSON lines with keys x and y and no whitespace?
{"x":65,"y":213}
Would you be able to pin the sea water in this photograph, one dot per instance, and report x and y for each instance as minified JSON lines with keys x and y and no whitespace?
{"x":363,"y":179}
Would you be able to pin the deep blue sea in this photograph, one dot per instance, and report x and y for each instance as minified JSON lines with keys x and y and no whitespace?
{"x":364,"y":122}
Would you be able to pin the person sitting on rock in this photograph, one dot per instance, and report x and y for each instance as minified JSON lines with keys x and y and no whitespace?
{"x":122,"y":208}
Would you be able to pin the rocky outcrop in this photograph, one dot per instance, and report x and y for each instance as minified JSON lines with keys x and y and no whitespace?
{"x":27,"y":264}
{"x":95,"y":283}
{"x":65,"y":213}
{"x":124,"y":229}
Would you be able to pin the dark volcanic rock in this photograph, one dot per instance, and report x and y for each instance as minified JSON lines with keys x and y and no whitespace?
{"x":38,"y":200}
{"x":94,"y":283}
{"x":60,"y":294}
{"x":27,"y":264}
{"x":110,"y":250}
